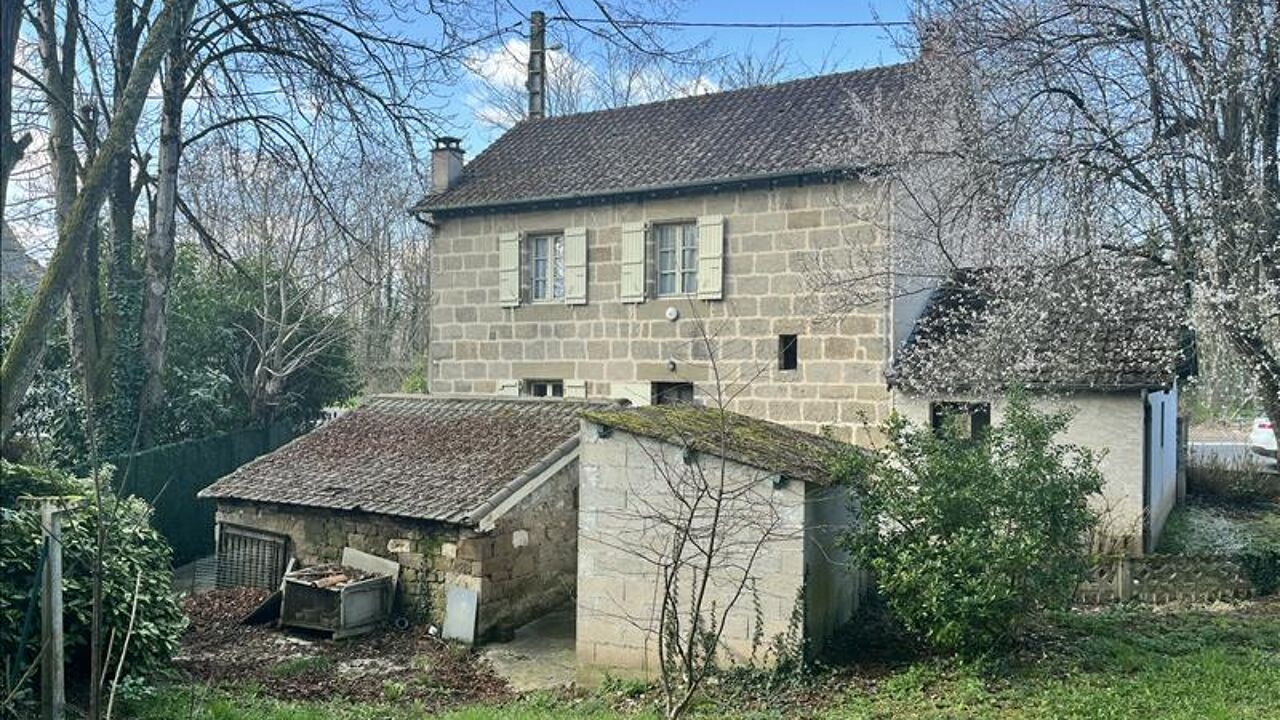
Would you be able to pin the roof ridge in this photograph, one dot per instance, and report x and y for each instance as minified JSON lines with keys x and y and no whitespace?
{"x":782,"y":84}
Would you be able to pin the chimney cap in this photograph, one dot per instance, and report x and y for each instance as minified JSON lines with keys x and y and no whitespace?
{"x":447,"y":142}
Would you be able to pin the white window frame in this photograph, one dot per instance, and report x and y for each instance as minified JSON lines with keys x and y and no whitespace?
{"x":684,"y":274}
{"x":551,"y":275}
{"x":548,"y":387}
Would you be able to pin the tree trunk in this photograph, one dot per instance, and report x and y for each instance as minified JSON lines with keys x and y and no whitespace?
{"x":160,"y":242}
{"x":11,"y":150}
{"x":78,"y":223}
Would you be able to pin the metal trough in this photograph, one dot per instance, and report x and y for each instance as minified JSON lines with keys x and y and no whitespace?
{"x":345,"y":599}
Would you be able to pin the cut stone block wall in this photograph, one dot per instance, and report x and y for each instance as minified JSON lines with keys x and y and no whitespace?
{"x":775,"y":240}
{"x":620,"y":546}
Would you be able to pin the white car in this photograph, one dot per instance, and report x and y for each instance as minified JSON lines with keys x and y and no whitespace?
{"x":1263,"y":438}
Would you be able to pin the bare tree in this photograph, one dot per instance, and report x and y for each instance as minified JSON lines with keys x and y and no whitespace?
{"x":1134,"y":128}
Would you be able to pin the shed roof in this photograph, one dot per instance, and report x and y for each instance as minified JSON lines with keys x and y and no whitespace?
{"x":750,"y":441}
{"x":1096,"y":324}
{"x":415,"y":456}
{"x":793,"y":128}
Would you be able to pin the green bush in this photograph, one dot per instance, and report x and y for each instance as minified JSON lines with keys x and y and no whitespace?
{"x":134,"y":548}
{"x":969,"y":538}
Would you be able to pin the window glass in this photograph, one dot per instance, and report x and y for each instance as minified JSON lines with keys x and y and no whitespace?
{"x":557,"y":269}
{"x":671,"y":393}
{"x":546,"y":268}
{"x":539,"y":268}
{"x":788,"y":352}
{"x":544,"y":388}
{"x":677,"y":265}
{"x":689,"y":260}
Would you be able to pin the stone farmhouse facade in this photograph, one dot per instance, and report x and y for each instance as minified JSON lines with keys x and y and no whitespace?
{"x":590,"y":253}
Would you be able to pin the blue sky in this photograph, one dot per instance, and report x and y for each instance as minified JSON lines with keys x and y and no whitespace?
{"x":809,"y":50}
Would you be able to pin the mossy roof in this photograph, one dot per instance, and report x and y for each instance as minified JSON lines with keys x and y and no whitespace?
{"x":750,"y":441}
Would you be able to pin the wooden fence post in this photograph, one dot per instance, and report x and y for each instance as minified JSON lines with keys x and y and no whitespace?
{"x":1124,"y":579}
{"x":53,"y":694}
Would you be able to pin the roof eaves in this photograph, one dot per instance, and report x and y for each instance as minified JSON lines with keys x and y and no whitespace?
{"x":657,"y":190}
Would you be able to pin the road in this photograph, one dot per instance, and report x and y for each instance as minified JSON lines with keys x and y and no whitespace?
{"x":1228,"y":453}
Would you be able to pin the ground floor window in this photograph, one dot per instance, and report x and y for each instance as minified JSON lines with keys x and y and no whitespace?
{"x":543,"y":388}
{"x":967,"y":419}
{"x":672,"y":393}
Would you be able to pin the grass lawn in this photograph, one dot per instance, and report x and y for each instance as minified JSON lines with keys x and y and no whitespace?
{"x":1219,"y":662}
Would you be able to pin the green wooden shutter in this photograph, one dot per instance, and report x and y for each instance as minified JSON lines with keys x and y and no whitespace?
{"x":633,"y":275}
{"x":509,"y":269}
{"x":575,"y":266}
{"x":575,"y":389}
{"x":711,"y":257}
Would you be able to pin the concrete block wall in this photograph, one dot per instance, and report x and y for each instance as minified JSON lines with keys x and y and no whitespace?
{"x":775,"y":239}
{"x":318,"y":536}
{"x":620,"y":548}
{"x":1110,"y":424}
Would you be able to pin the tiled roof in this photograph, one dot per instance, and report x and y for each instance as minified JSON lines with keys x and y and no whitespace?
{"x":415,"y":456}
{"x":792,"y":128}
{"x":1092,"y":325}
{"x":750,"y":441}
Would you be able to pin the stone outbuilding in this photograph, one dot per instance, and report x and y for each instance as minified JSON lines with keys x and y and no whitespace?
{"x":642,"y":469}
{"x":1101,"y":340}
{"x":471,"y":495}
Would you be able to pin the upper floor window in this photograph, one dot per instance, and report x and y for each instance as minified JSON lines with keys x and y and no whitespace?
{"x":677,"y":246}
{"x":546,"y":267}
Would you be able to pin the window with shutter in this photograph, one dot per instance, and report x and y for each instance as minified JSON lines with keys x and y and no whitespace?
{"x":509,"y":269}
{"x":710,"y":257}
{"x":575,"y":266}
{"x":633,"y":274}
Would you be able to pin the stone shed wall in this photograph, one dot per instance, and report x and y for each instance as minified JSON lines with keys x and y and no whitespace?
{"x":619,"y":587}
{"x":318,"y":536}
{"x":774,"y":240}
{"x":527,"y":564}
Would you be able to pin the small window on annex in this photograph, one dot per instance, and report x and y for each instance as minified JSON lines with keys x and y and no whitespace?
{"x":543,"y":388}
{"x":788,"y":352}
{"x":677,"y":264}
{"x":672,"y":393}
{"x":546,"y":267}
{"x":968,"y":420}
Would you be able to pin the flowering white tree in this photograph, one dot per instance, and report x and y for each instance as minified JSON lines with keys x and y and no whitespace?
{"x":1044,"y":131}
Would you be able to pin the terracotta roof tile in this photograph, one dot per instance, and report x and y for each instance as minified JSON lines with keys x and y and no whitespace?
{"x":416,"y":456}
{"x":792,"y":128}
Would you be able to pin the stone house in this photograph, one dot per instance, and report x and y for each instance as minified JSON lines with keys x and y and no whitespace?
{"x":471,"y":494}
{"x":779,"y":571}
{"x":588,"y":255}
{"x":580,"y":255}
{"x":1104,"y":342}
